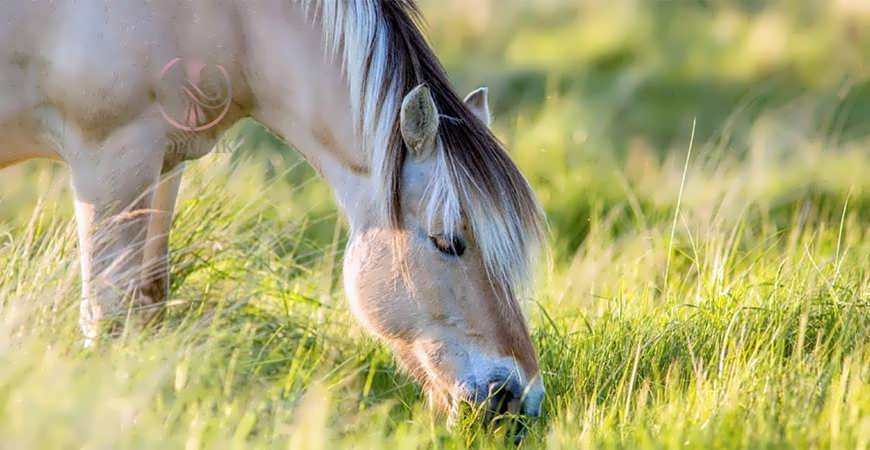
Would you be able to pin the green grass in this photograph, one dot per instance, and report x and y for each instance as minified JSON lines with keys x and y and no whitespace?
{"x":738,"y":318}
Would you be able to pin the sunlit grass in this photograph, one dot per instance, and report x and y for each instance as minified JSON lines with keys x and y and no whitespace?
{"x":758,"y":337}
{"x":740,"y":319}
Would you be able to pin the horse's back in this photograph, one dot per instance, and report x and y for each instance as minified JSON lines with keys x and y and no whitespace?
{"x":91,"y":67}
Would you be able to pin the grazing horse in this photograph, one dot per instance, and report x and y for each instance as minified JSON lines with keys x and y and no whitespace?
{"x":443,"y":227}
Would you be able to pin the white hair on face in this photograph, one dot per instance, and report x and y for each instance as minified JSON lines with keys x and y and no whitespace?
{"x":383,"y":56}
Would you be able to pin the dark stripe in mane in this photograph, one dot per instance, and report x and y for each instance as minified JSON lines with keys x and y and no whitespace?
{"x":475,"y":156}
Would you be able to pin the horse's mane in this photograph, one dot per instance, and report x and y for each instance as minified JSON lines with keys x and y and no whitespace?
{"x":384,"y":56}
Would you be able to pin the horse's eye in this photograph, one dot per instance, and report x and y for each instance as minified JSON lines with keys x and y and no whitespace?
{"x":452,"y":246}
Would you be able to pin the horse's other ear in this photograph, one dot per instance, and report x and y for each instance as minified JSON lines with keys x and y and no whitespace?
{"x":418,"y":121}
{"x":478,"y":102}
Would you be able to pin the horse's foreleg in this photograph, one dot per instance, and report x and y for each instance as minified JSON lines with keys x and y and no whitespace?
{"x":155,"y":273}
{"x":113,"y":186}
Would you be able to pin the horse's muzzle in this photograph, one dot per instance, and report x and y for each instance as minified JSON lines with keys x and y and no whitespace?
{"x":504,"y":394}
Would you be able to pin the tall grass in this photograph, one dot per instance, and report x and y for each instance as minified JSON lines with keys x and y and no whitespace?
{"x":757,"y":338}
{"x":713,"y":300}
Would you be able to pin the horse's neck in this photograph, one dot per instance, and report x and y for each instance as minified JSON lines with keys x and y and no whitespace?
{"x":94,"y":62}
{"x":304,"y":98}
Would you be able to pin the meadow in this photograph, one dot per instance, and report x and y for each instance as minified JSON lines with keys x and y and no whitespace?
{"x":705,"y":170}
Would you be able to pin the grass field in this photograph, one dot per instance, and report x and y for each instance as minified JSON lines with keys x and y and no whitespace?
{"x":705,"y":167}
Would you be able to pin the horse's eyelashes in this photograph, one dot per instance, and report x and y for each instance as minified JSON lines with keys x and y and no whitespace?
{"x":448,"y":245}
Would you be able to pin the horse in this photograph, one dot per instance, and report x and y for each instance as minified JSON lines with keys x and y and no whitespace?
{"x":443,"y":227}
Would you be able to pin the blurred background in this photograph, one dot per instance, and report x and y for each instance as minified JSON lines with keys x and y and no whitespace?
{"x":583,"y":90}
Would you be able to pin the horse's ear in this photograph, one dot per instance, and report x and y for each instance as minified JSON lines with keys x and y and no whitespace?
{"x":478,"y":102}
{"x":418,"y":121}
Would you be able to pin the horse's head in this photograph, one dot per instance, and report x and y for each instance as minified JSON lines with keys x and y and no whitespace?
{"x":437,"y":282}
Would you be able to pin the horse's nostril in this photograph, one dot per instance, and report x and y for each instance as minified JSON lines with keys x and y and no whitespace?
{"x":499,"y":400}
{"x":503,"y":396}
